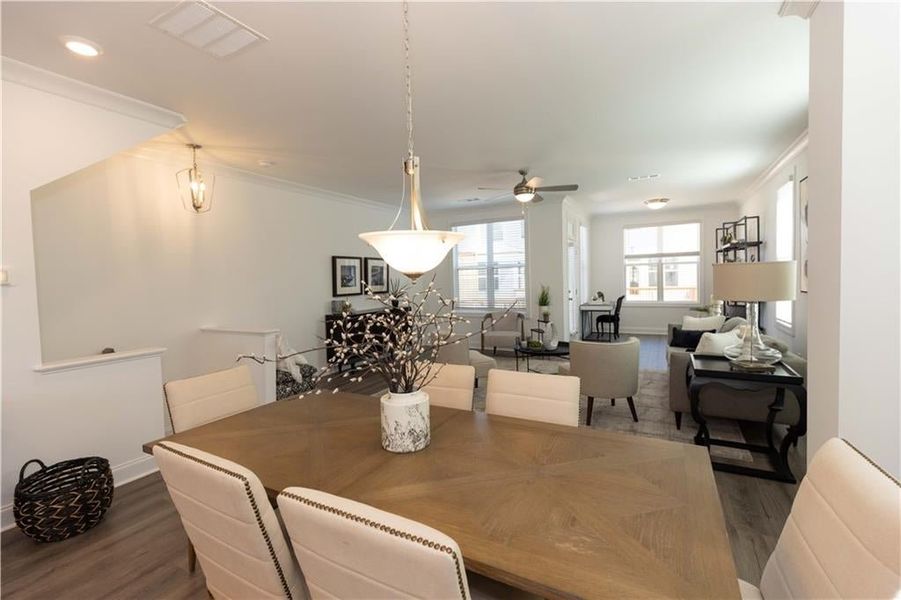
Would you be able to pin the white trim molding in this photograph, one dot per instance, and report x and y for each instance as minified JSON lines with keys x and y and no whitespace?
{"x":794,"y":149}
{"x":239,"y":331}
{"x":53,"y":83}
{"x":87,"y":362}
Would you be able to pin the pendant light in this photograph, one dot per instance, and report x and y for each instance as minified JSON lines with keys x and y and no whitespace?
{"x":419,"y":249}
{"x":195,"y":188}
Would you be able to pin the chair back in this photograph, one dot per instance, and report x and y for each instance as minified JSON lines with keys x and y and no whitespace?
{"x":508,"y":322}
{"x":606,"y":370}
{"x":232,"y":526}
{"x":533,"y":396}
{"x":452,"y":386}
{"x":619,"y":305}
{"x":841,"y":539}
{"x":351,"y":550}
{"x":200,"y":400}
{"x":455,"y":354}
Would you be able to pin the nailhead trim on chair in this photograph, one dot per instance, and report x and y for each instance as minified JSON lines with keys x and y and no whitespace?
{"x":869,"y":460}
{"x":387,"y":529}
{"x":253,"y":505}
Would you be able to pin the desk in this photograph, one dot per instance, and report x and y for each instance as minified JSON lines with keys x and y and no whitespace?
{"x":562,"y":512}
{"x":587,"y":312}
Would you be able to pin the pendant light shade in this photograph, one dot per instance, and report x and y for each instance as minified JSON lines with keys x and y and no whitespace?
{"x":416,"y":250}
{"x":194,"y":187}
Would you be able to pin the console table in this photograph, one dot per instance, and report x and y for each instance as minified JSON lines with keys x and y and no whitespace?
{"x":705,"y":370}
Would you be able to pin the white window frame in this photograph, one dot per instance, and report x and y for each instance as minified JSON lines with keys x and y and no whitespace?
{"x":662,"y":255}
{"x":786,"y":254}
{"x":520,"y":307}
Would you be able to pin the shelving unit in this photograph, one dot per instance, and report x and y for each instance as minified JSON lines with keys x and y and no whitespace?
{"x":738,"y":241}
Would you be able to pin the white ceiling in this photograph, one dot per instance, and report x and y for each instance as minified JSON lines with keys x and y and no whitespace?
{"x":705,"y":94}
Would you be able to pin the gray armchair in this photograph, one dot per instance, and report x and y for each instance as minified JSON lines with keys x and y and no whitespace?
{"x":504,"y":331}
{"x":606,"y":370}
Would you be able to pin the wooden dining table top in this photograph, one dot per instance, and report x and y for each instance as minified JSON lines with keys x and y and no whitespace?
{"x":562,"y":512}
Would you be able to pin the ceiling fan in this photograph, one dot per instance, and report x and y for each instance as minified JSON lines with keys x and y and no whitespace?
{"x":527,"y":189}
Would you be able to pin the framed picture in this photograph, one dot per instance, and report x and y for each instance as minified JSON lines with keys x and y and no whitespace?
{"x":347,"y":272}
{"x":376,"y":275}
{"x":803,"y":210}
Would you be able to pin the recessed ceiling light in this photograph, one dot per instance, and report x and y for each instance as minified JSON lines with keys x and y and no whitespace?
{"x":265,"y":163}
{"x":644,"y":177}
{"x":656,"y":203}
{"x":81,"y":46}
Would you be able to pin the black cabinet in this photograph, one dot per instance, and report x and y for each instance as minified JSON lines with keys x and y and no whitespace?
{"x":356,"y":323}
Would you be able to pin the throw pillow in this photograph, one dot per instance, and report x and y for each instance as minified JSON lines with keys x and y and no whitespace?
{"x":732,"y":323}
{"x":702,"y":323}
{"x":687,"y":339}
{"x":775,"y":344}
{"x":713,"y":344}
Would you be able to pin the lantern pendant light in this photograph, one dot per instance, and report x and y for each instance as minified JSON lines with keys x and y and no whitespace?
{"x":195,"y":188}
{"x":419,"y":249}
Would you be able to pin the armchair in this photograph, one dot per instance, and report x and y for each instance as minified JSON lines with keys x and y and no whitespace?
{"x":504,"y":332}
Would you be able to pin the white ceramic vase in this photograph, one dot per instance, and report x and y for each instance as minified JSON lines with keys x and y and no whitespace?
{"x":545,"y":312}
{"x":405,"y":422}
{"x":551,"y":339}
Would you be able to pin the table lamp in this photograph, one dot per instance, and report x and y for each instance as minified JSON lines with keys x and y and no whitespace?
{"x":754,"y":282}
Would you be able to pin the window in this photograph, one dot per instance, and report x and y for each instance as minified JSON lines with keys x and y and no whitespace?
{"x":785,"y":244}
{"x":662,"y":262}
{"x":490,"y":265}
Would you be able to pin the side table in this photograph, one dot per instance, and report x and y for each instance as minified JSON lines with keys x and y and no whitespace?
{"x":704,"y":370}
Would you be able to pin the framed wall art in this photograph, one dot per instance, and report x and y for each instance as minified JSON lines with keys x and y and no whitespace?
{"x":347,"y":274}
{"x":375,"y":274}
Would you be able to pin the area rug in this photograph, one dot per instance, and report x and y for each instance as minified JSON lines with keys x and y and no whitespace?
{"x":655,"y":419}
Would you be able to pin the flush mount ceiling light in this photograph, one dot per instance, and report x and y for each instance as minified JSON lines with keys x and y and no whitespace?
{"x":656,"y":203}
{"x":195,"y":188}
{"x":81,"y":46}
{"x":416,"y":250}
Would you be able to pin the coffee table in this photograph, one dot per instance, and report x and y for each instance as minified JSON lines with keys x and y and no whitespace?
{"x":561,"y":351}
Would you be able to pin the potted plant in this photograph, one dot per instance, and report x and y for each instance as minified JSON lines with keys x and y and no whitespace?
{"x":544,"y":302}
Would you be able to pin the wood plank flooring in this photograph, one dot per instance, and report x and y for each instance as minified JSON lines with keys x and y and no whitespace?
{"x":139,"y":550}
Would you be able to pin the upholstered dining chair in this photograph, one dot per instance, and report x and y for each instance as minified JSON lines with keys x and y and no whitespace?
{"x":843,"y":536}
{"x":611,"y":319}
{"x":451,"y":386}
{"x":201,"y":400}
{"x":352,"y":550}
{"x":232,"y":526}
{"x":460,"y":354}
{"x":533,"y":396}
{"x":501,"y":331}
{"x":606,"y":370}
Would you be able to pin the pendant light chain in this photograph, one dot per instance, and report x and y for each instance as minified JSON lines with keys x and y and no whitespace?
{"x":408,"y":75}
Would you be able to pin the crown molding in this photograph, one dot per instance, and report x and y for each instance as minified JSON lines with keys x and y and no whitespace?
{"x":790,"y":153}
{"x":46,"y":81}
{"x":798,"y":8}
{"x":220,"y":168}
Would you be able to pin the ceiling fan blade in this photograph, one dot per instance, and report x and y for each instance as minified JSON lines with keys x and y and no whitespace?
{"x":535,"y":182}
{"x":535,"y":199}
{"x":507,"y":194}
{"x":558,"y":188}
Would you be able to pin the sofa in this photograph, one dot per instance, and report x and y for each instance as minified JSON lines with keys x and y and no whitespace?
{"x":723,"y":402}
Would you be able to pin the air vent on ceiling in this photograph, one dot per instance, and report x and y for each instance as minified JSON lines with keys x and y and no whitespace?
{"x":207,"y":28}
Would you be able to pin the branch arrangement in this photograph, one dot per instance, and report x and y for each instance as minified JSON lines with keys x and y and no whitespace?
{"x":399,"y":343}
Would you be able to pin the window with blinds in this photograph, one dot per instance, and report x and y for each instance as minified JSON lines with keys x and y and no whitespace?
{"x":490,"y":265}
{"x":662,"y":263}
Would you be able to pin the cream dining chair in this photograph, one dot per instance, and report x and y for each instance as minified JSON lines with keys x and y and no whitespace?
{"x":606,"y":370}
{"x":232,"y":526}
{"x":843,"y":536}
{"x":533,"y":396}
{"x":352,"y":550}
{"x":451,"y":386}
{"x":201,"y":400}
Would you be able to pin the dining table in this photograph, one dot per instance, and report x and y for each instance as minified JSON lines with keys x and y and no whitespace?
{"x":555,"y":510}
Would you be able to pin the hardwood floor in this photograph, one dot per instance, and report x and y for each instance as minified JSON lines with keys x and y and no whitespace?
{"x":139,"y":550}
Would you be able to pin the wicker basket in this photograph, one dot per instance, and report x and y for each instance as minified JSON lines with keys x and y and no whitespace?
{"x":64,"y":499}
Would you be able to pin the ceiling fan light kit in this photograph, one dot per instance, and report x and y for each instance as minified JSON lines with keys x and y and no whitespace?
{"x":527,"y":189}
{"x":416,"y":250}
{"x":656,"y":203}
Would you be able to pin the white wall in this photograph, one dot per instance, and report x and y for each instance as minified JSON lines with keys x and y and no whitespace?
{"x":107,"y":409}
{"x":762,"y":202}
{"x":854,"y":156}
{"x":146,"y":272}
{"x":606,"y":261}
{"x":545,"y":256}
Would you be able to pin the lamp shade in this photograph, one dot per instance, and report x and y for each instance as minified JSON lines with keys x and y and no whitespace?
{"x":755,"y":281}
{"x":412,"y":252}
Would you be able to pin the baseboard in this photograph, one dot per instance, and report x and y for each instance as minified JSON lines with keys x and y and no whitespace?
{"x":122,"y":474}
